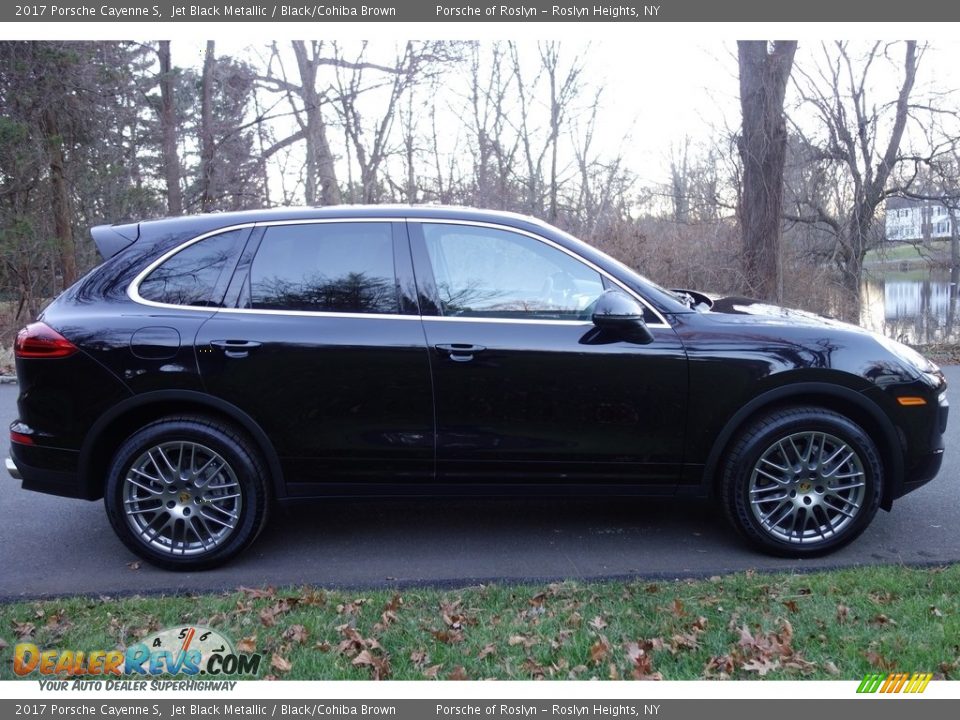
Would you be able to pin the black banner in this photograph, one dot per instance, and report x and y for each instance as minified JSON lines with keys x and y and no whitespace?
{"x":480,"y":11}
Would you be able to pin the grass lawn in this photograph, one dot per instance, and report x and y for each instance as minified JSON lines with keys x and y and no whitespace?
{"x":827,"y":625}
{"x":893,"y":252}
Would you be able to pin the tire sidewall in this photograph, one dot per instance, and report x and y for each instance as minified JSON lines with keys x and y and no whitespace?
{"x":242,"y":461}
{"x":762,"y":437}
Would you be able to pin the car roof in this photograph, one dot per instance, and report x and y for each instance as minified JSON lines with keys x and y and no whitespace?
{"x":445,"y":212}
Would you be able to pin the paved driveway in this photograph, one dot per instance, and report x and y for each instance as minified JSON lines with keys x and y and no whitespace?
{"x":52,"y":546}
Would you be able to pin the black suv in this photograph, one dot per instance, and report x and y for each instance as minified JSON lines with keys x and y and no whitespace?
{"x":215,"y":365}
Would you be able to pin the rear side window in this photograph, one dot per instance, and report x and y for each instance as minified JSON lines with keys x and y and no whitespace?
{"x":325,"y":267}
{"x":195,"y":275}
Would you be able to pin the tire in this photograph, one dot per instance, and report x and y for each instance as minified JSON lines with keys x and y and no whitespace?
{"x":801,"y":482}
{"x":187,"y":493}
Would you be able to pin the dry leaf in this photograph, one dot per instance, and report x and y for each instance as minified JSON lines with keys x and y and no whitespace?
{"x":296,"y":634}
{"x":431,"y":672}
{"x":256,"y":593}
{"x":879,"y":661}
{"x":247,"y":644}
{"x":830,"y":668}
{"x":843,"y":612}
{"x":380,"y":665}
{"x":280,"y":664}
{"x":419,"y":658}
{"x":598,"y":623}
{"x":458,"y":674}
{"x":599,"y":650}
{"x":487,"y":650}
{"x":790,"y":605}
{"x":23,"y":630}
{"x":761,"y":666}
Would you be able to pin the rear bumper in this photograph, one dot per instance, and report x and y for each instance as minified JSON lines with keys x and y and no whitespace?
{"x":47,"y":470}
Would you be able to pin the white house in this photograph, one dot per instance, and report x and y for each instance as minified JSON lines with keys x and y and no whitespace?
{"x":912,"y":220}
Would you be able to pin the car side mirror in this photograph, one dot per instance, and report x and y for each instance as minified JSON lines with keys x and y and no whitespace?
{"x":618,"y":313}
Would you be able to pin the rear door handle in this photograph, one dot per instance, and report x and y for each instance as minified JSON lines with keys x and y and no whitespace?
{"x":235,"y":348}
{"x":460,"y":352}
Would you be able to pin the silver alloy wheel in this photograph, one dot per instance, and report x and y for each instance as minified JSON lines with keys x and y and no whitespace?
{"x":807,"y":487}
{"x":182,"y":498}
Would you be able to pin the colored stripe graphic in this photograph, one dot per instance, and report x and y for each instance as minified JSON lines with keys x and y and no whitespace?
{"x":895,"y":683}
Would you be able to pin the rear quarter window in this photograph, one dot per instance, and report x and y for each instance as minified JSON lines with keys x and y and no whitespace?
{"x":196,"y":275}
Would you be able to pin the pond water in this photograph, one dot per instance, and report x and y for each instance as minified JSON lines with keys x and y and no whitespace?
{"x":917,"y":306}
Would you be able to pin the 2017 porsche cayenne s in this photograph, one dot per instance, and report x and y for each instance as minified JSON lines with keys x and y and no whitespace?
{"x":216,"y":365}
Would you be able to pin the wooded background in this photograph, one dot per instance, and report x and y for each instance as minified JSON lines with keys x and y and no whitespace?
{"x":784,"y":207}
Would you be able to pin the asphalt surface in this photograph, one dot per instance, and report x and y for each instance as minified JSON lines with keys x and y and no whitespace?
{"x":56,"y":546}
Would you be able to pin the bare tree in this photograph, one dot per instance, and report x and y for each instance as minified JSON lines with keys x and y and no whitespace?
{"x":859,"y":141}
{"x":206,"y":129}
{"x":764,"y":71}
{"x":168,"y":129}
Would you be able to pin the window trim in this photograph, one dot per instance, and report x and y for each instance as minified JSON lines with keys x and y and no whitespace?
{"x":537,"y":321}
{"x":133,"y":289}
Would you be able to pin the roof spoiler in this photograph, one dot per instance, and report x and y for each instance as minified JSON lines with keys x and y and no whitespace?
{"x":111,"y":239}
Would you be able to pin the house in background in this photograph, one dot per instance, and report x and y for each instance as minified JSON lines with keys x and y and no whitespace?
{"x":910,"y":220}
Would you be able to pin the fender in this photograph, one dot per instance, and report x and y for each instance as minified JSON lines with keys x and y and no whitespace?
{"x":88,"y":486}
{"x":888,"y":444}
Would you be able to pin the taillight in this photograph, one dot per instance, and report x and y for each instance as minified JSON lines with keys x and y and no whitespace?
{"x":39,"y":340}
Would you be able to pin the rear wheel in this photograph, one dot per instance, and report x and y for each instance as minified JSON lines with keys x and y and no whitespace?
{"x":802,"y":481}
{"x":186,"y":493}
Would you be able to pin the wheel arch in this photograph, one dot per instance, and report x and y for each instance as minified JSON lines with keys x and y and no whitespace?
{"x":843,"y":400}
{"x":114,"y":426}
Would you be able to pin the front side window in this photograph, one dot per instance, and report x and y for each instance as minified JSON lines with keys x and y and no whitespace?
{"x":195,"y":275}
{"x":325,"y":267}
{"x":491,"y":273}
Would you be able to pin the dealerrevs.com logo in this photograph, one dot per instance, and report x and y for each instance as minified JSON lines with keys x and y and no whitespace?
{"x":192,"y":651}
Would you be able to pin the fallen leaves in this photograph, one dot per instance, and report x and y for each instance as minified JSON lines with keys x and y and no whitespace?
{"x":598,"y":623}
{"x":599,"y":650}
{"x":843,"y":613}
{"x":378,"y":664}
{"x":296,"y":634}
{"x":641,"y":661}
{"x":458,"y":673}
{"x":280,"y":664}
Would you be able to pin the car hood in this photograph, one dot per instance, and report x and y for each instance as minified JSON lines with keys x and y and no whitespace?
{"x":735,"y":305}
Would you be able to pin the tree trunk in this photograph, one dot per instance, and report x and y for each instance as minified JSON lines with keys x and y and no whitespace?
{"x":321,"y":174}
{"x":206,"y":130}
{"x":60,"y":198}
{"x":168,"y":130}
{"x":763,"y":143}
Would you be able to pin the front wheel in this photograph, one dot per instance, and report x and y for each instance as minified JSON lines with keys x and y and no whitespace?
{"x":802,"y":481}
{"x":186,"y":493}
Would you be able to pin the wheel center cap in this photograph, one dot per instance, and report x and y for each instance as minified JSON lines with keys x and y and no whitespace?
{"x":184,"y":497}
{"x":804,"y":487}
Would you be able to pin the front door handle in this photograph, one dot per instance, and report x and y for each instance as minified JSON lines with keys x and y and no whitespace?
{"x":235,"y":348}
{"x":460,"y":352}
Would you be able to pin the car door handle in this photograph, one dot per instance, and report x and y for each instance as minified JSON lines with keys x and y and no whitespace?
{"x":460,"y":352}
{"x":235,"y":348}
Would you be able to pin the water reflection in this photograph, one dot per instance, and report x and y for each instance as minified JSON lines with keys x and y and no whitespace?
{"x":917,"y":306}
